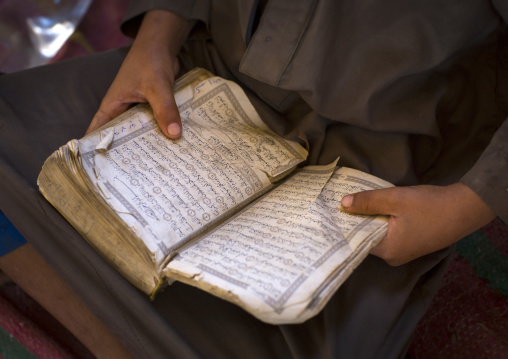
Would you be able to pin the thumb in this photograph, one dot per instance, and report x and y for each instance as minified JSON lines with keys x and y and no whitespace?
{"x":165,"y":111}
{"x":379,"y":201}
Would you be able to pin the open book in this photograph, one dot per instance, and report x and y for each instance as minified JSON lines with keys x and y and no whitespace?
{"x":227,"y":208}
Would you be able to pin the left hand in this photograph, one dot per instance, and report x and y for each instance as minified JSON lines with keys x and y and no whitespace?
{"x":423,"y":219}
{"x":148,"y":73}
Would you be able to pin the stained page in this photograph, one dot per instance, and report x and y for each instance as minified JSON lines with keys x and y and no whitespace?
{"x":283,"y":256}
{"x":168,"y":191}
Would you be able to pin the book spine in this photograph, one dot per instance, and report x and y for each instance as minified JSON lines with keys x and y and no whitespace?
{"x":62,"y":188}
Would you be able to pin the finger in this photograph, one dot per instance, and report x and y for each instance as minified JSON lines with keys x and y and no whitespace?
{"x":380,"y":201}
{"x":106,"y":113}
{"x":165,"y":111}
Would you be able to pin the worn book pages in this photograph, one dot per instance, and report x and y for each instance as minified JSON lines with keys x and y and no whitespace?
{"x":224,"y":208}
{"x":141,"y":196}
{"x":284,"y":256}
{"x":169,"y":191}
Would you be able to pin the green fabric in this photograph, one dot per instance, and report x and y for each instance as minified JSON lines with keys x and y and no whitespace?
{"x":10,"y":348}
{"x":487,"y":260}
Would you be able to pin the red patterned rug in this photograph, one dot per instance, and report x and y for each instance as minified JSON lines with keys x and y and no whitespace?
{"x":29,"y":331}
{"x":468,"y":318}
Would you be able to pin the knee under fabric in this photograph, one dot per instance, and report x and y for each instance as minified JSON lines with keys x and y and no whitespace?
{"x":10,"y":238}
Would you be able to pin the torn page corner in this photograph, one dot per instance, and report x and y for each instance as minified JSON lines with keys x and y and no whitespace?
{"x":103,"y":145}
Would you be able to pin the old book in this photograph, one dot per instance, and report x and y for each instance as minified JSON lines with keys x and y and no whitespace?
{"x":228,"y":208}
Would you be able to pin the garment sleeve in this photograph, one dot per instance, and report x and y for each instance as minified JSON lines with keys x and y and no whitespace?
{"x":489,"y":176}
{"x":502,"y":8}
{"x":188,"y":9}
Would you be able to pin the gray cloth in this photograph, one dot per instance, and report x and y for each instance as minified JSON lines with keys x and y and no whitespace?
{"x":372,"y":315}
{"x":410,"y":91}
{"x":406,"y":93}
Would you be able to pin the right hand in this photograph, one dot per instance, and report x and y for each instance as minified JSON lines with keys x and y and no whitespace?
{"x":147,"y":74}
{"x":422,"y":219}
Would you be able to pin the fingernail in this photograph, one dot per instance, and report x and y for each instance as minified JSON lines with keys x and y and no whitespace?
{"x":174,"y":129}
{"x":347,"y":201}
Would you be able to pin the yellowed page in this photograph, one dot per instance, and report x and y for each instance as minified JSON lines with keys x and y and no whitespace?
{"x":66,"y":185}
{"x":283,"y":256}
{"x":167,"y":191}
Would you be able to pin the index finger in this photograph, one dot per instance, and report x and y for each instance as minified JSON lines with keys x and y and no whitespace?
{"x":166,"y":113}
